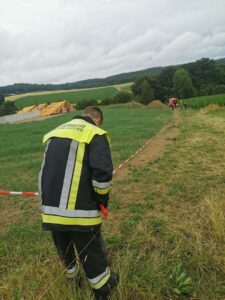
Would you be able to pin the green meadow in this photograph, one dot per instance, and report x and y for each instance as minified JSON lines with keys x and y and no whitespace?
{"x":165,"y":233}
{"x":71,"y":96}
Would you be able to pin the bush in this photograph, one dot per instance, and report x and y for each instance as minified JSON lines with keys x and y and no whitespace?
{"x":8,"y":108}
{"x":2,"y":99}
{"x":122,"y":97}
{"x":85,"y":103}
{"x":107,"y":101}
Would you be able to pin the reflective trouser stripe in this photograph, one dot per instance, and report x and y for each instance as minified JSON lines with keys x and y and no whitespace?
{"x":72,"y":270}
{"x":71,"y":221}
{"x":99,"y":281}
{"x":101,"y":191}
{"x":76,"y":176}
{"x":68,"y":174}
{"x":71,"y":273}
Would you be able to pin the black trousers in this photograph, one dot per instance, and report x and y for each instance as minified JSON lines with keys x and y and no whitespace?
{"x":90,"y":249}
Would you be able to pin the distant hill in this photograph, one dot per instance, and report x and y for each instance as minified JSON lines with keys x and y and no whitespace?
{"x":20,"y":88}
{"x":221,"y":61}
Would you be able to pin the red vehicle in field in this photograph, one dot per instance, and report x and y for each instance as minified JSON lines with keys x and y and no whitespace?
{"x":173,"y":103}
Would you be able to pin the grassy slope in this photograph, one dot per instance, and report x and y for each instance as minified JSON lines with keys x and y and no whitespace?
{"x":72,"y":97}
{"x":26,"y":253}
{"x":167,"y":236}
{"x":172,"y":230}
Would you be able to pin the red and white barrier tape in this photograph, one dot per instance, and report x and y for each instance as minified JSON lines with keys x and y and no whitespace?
{"x":19,"y":193}
{"x":132,"y":156}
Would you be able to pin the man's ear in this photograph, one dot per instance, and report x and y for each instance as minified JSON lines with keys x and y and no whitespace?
{"x":98,"y":122}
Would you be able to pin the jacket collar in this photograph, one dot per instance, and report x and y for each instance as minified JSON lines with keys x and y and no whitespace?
{"x":85,"y":118}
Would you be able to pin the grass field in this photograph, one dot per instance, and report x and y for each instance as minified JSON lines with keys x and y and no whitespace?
{"x":124,"y":87}
{"x":200,"y":102}
{"x":21,"y":149}
{"x":165,"y":235}
{"x":72,"y":97}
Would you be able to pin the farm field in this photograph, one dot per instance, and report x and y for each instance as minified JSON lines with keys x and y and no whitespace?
{"x":124,"y":87}
{"x":165,"y":234}
{"x":200,"y":102}
{"x":71,"y":96}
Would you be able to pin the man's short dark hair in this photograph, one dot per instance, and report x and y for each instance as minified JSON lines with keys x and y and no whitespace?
{"x":94,"y":112}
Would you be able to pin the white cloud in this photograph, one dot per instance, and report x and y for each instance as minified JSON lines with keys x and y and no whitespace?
{"x":68,"y":40}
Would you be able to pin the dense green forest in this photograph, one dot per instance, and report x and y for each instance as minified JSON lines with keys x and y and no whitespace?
{"x":164,"y":73}
{"x":203,"y":77}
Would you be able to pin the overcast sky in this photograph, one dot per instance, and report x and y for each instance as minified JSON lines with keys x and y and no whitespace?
{"x":57,"y":41}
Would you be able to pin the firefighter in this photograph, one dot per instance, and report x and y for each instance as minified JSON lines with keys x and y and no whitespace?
{"x":74,"y":179}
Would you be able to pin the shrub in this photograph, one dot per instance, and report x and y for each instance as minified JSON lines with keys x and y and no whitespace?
{"x":107,"y":101}
{"x":2,"y":98}
{"x":84,"y":103}
{"x":122,"y":97}
{"x":8,"y":108}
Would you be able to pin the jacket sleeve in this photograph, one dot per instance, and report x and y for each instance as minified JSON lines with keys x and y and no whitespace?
{"x":101,"y":165}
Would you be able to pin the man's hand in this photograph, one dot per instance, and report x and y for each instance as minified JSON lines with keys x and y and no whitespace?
{"x":101,"y":199}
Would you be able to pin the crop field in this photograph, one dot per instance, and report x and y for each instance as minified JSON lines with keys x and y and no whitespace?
{"x":124,"y":87}
{"x":71,"y":96}
{"x":200,"y":102}
{"x":165,"y":234}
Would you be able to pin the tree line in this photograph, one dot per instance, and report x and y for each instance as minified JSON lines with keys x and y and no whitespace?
{"x":200,"y":78}
{"x":203,"y":77}
{"x":20,"y":88}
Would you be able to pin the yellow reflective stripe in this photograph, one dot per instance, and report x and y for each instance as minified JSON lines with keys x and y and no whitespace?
{"x":70,"y":221}
{"x":101,"y":282}
{"x":78,"y":130}
{"x":101,"y":191}
{"x":76,"y":177}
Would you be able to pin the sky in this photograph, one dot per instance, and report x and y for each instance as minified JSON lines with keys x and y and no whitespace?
{"x":58,"y":41}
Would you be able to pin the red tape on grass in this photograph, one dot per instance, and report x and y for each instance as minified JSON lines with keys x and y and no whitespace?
{"x":18,"y":193}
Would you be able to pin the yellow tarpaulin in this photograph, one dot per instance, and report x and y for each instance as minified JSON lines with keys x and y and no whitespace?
{"x":57,"y":108}
{"x":42,"y":105}
{"x":28,"y":109}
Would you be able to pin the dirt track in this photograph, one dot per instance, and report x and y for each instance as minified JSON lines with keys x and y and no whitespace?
{"x":154,"y":149}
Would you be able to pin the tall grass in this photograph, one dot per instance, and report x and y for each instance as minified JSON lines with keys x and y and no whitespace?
{"x":200,"y":102}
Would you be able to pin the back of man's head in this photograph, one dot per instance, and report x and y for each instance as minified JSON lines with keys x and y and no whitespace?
{"x":95,"y":114}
